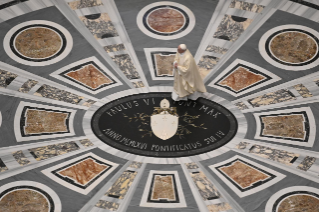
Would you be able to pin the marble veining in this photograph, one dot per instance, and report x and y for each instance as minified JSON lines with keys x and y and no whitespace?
{"x":24,"y":200}
{"x":112,"y":206}
{"x":50,"y":92}
{"x":136,"y":165}
{"x":303,"y":91}
{"x":300,"y":203}
{"x":27,"y":86}
{"x":3,"y":166}
{"x":224,"y":206}
{"x":76,"y":5}
{"x":138,"y":84}
{"x":242,"y":5}
{"x":100,"y":25}
{"x":86,"y":143}
{"x":242,"y":145}
{"x":89,"y":103}
{"x":191,"y":165}
{"x":126,"y":65}
{"x":206,"y":64}
{"x":306,"y":163}
{"x":277,"y":155}
{"x":206,"y":189}
{"x":282,"y":95}
{"x":216,"y":49}
{"x":20,"y":158}
{"x":164,"y":64}
{"x":163,"y":188}
{"x":231,"y":27}
{"x":241,"y":106}
{"x":6,"y":78}
{"x":122,"y":185}
{"x":114,"y":48}
{"x":45,"y":152}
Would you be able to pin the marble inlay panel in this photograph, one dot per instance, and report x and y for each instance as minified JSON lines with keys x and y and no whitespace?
{"x":100,"y":25}
{"x":27,"y":86}
{"x":163,"y":188}
{"x":3,"y":166}
{"x":50,"y":92}
{"x":242,"y":5}
{"x":299,"y":203}
{"x":76,"y":5}
{"x":306,"y":163}
{"x":122,"y":185}
{"x":206,"y":189}
{"x":282,"y":95}
{"x":86,"y":143}
{"x":138,"y":84}
{"x":191,"y":165}
{"x":242,"y":145}
{"x":219,"y":207}
{"x":163,"y":64}
{"x":231,"y":27}
{"x":277,"y":155}
{"x":112,"y":206}
{"x":136,"y":165}
{"x":45,"y":152}
{"x":21,"y":158}
{"x":216,"y":49}
{"x":206,"y":64}
{"x":89,"y":103}
{"x":303,"y":91}
{"x":6,"y":78}
{"x":114,"y":48}
{"x":241,"y":106}
{"x":126,"y":65}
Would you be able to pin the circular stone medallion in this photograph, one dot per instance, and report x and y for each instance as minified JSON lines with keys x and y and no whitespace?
{"x":152,"y":125}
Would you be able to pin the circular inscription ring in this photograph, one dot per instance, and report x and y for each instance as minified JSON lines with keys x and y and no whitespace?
{"x":153,"y":125}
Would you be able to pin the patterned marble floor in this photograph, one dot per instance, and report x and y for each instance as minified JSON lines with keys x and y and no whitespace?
{"x":87,"y":122}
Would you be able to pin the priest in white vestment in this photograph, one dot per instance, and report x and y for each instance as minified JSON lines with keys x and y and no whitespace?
{"x":188,"y":83}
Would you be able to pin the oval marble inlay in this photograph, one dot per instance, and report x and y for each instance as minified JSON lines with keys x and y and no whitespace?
{"x":166,"y":20}
{"x":153,"y":125}
{"x":293,"y":47}
{"x":38,"y":42}
{"x":299,"y":203}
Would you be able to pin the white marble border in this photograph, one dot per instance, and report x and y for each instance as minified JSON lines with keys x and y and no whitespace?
{"x":274,"y":77}
{"x":148,"y":56}
{"x":0,"y":119}
{"x":263,"y":186}
{"x":139,"y":20}
{"x":284,"y":191}
{"x":48,"y":173}
{"x":147,"y":189}
{"x":94,"y":59}
{"x":312,"y":126}
{"x":17,"y":118}
{"x":262,"y":47}
{"x":49,"y":191}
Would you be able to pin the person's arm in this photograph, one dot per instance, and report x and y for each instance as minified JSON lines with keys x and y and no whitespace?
{"x":182,"y":70}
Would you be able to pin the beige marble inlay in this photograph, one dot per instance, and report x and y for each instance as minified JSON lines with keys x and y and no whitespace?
{"x":166,"y":20}
{"x":163,"y":188}
{"x":299,"y":203}
{"x":219,"y":207}
{"x":164,"y":64}
{"x":122,"y":185}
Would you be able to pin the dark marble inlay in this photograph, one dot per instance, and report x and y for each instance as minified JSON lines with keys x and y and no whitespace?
{"x":206,"y":64}
{"x":11,"y":3}
{"x":3,"y":166}
{"x":21,"y":158}
{"x":122,"y":185}
{"x":282,"y":95}
{"x":242,"y":5}
{"x":306,"y":163}
{"x":241,"y":106}
{"x":206,"y":189}
{"x":126,"y":65}
{"x":216,"y":49}
{"x":27,"y":86}
{"x":114,"y":48}
{"x":112,"y":206}
{"x":303,"y":91}
{"x":79,"y":4}
{"x":6,"y":78}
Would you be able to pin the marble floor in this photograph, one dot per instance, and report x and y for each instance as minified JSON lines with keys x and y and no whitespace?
{"x":87,"y":123}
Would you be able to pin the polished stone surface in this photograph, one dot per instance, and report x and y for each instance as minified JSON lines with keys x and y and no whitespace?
{"x":206,"y":189}
{"x":306,"y":163}
{"x":6,"y":78}
{"x":298,"y":203}
{"x":114,"y":48}
{"x":27,"y":86}
{"x":283,"y":95}
{"x":241,"y":106}
{"x":163,"y":188}
{"x":242,"y":5}
{"x":216,"y":49}
{"x":126,"y":65}
{"x":191,"y":165}
{"x":20,"y":158}
{"x":122,"y":185}
{"x":242,"y":145}
{"x":206,"y":64}
{"x":164,"y":64}
{"x":138,"y":84}
{"x":112,"y":206}
{"x":75,"y":5}
{"x":136,"y":165}
{"x":86,"y":143}
{"x":303,"y":91}
{"x":219,"y":207}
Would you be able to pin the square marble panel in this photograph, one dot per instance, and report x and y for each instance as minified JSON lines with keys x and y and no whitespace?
{"x":76,"y":5}
{"x":122,"y":185}
{"x":242,"y":5}
{"x":81,"y":174}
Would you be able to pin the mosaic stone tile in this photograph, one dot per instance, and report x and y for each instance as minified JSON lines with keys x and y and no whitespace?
{"x":216,"y":49}
{"x":122,"y":185}
{"x":45,"y":152}
{"x":191,"y":165}
{"x":6,"y":78}
{"x":75,"y":5}
{"x":303,"y":91}
{"x":296,"y":203}
{"x":136,"y":165}
{"x":284,"y":126}
{"x":38,"y":121}
{"x":126,"y":65}
{"x":277,"y":155}
{"x":241,"y":5}
{"x":206,"y":64}
{"x":138,"y":84}
{"x":242,"y":145}
{"x":231,"y":27}
{"x":21,"y":158}
{"x":206,"y":189}
{"x":306,"y":163}
{"x":86,"y":142}
{"x":114,"y":48}
{"x":50,"y":92}
{"x":100,"y":25}
{"x":241,"y":106}
{"x":164,"y":64}
{"x":24,"y":200}
{"x":27,"y":86}
{"x":163,"y":187}
{"x":3,"y":166}
{"x":282,"y":95}
{"x":112,"y":206}
{"x":219,"y":207}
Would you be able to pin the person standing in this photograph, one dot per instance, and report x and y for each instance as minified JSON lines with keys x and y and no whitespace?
{"x":188,"y":83}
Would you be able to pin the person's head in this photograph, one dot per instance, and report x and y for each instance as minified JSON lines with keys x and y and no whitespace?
{"x":181,"y":48}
